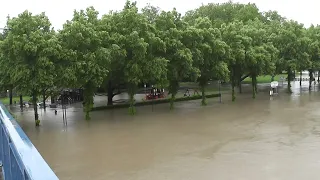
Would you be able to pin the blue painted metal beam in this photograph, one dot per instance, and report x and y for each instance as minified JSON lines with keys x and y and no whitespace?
{"x":20,"y":159}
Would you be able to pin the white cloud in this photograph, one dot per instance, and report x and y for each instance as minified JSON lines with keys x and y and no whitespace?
{"x":60,"y":10}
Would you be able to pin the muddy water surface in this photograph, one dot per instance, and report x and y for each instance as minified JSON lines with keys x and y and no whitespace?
{"x":264,"y":139}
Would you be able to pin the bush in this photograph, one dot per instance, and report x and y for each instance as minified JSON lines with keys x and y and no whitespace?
{"x":150,"y":102}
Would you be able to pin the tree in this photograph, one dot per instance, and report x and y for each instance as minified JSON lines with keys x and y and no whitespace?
{"x":236,"y":51}
{"x":313,"y":45}
{"x":151,"y":13}
{"x":208,"y":51}
{"x":225,"y":13}
{"x":287,"y":41}
{"x":140,"y":50}
{"x":260,"y":55}
{"x":171,"y":28}
{"x":222,"y":15}
{"x":82,"y":42}
{"x":28,"y":46}
{"x":114,"y":82}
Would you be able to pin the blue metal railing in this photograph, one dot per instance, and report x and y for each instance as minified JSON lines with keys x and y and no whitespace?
{"x":19,"y":158}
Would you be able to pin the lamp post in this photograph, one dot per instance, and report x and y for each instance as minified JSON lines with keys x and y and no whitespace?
{"x":145,"y":90}
{"x":8,"y":94}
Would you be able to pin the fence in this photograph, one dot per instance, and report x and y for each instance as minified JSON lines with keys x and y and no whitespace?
{"x":19,"y":158}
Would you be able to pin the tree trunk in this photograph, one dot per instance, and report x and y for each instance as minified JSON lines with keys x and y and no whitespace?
{"x":52,"y":99}
{"x":35,"y":108}
{"x":132,"y":92}
{"x":239,"y":84}
{"x":233,"y":93}
{"x":173,"y":90}
{"x":310,"y":78}
{"x":10,"y":95}
{"x":203,"y":94}
{"x":202,"y":83}
{"x":318,"y":76}
{"x":300,"y":78}
{"x":233,"y":83}
{"x":44,"y":99}
{"x":172,"y":99}
{"x":110,"y":93}
{"x":132,"y":109}
{"x":81,"y":95}
{"x":110,"y":100}
{"x":88,"y":99}
{"x":254,"y":86}
{"x":289,"y":80}
{"x":21,"y":102}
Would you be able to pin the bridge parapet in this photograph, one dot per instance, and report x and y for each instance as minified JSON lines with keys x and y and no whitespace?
{"x":19,"y":158}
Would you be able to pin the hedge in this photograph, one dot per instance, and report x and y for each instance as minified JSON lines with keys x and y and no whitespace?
{"x":150,"y":102}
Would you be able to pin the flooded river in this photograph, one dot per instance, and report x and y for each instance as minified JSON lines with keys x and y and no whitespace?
{"x":263,"y":139}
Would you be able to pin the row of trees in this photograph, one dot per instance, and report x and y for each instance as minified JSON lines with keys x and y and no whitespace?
{"x":228,"y":42}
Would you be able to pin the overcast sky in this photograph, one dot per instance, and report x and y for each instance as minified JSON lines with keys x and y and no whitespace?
{"x":304,"y":11}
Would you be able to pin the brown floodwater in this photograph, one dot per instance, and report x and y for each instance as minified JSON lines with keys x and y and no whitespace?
{"x":269,"y":138}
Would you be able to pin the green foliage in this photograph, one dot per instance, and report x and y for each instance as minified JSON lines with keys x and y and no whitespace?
{"x":82,"y":42}
{"x":127,"y":48}
{"x":27,"y":50}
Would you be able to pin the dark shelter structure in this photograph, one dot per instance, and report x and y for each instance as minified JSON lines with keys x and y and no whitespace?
{"x":68,"y":96}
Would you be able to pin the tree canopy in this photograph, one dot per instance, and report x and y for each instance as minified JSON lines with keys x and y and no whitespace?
{"x":124,"y":49}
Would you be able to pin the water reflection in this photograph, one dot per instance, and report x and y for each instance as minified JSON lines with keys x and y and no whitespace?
{"x":248,"y":139}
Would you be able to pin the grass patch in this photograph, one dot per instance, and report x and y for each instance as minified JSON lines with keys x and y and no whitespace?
{"x":264,"y":79}
{"x":6,"y":100}
{"x":150,"y":102}
{"x":211,"y":88}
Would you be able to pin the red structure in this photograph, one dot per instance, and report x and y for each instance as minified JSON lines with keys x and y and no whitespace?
{"x":155,"y":94}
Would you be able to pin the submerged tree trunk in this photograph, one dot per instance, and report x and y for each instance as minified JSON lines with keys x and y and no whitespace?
{"x":35,"y":108}
{"x":88,"y":99}
{"x":202,"y":83}
{"x":239,"y":84}
{"x":132,"y":108}
{"x":289,"y":80}
{"x":44,"y":99}
{"x":300,"y":78}
{"x":233,"y":93}
{"x":21,"y":102}
{"x":10,"y":95}
{"x":233,"y":83}
{"x":110,"y":100}
{"x":110,"y":93}
{"x":172,"y":99}
{"x":173,"y":90}
{"x":254,"y":85}
{"x":203,"y":94}
{"x":132,"y":91}
{"x":310,"y":78}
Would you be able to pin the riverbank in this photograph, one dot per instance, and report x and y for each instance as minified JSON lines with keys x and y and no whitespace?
{"x":153,"y":102}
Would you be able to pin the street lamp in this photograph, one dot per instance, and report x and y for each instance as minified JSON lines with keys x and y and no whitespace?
{"x":8,"y":94}
{"x":145,"y":90}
